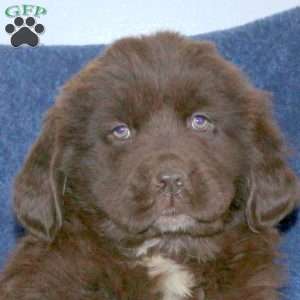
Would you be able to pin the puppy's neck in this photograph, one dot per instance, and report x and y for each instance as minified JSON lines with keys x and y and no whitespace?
{"x":181,"y":248}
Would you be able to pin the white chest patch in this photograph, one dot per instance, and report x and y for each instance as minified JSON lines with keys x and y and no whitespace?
{"x":174,"y":281}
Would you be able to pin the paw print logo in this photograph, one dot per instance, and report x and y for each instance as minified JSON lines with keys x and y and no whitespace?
{"x":24,"y":33}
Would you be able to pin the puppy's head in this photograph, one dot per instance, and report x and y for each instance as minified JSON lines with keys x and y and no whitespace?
{"x":159,"y":135}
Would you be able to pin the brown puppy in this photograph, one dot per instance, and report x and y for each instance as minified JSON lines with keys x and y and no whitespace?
{"x":159,"y":174}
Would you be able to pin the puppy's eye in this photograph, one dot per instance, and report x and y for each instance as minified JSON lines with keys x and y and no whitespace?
{"x":200,"y":122}
{"x":121,"y":132}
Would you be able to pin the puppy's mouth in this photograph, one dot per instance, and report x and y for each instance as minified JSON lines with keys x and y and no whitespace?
{"x":170,"y":224}
{"x":169,"y":212}
{"x":181,"y":219}
{"x":171,"y":221}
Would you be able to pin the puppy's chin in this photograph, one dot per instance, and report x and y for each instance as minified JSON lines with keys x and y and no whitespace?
{"x":175,"y":223}
{"x":183,"y":224}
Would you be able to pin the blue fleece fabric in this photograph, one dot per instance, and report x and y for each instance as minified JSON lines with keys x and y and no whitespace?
{"x":266,"y":50}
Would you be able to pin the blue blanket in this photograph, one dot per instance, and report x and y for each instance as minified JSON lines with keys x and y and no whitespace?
{"x":266,"y":50}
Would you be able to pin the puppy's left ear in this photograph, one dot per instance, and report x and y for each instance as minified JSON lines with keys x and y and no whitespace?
{"x":273,"y":187}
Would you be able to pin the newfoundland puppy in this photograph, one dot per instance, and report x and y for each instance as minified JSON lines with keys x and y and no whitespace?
{"x":159,"y":175}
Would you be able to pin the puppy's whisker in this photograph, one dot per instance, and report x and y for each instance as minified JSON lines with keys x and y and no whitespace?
{"x":64,"y":186}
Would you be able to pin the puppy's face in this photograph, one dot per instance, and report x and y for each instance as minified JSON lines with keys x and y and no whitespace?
{"x":160,"y":136}
{"x":167,"y":153}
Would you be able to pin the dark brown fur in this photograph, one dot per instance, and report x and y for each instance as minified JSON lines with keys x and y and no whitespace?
{"x":90,"y":201}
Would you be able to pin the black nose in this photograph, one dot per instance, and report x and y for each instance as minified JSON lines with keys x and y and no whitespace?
{"x":171,"y":182}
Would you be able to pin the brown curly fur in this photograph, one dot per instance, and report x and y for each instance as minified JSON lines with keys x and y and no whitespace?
{"x":90,"y":202}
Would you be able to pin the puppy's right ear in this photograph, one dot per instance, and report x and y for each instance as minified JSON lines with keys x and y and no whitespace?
{"x":36,"y":198}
